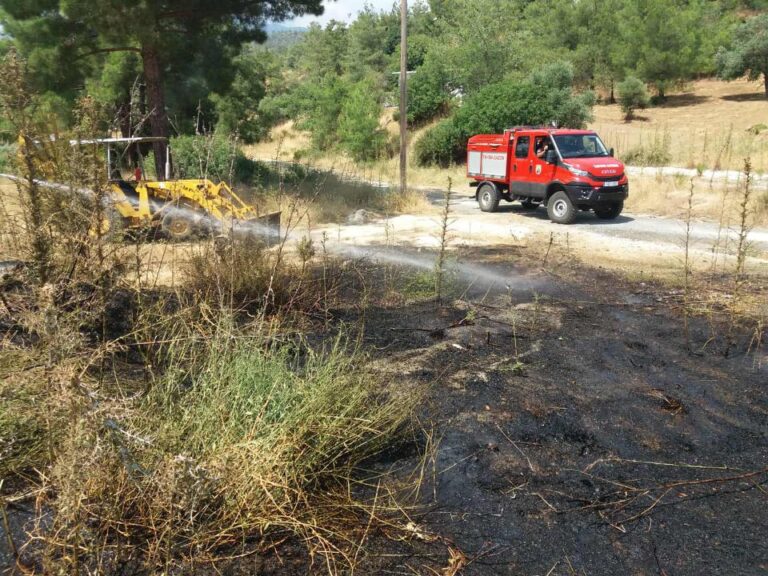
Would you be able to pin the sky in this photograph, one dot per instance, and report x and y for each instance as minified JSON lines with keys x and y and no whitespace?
{"x":343,"y":10}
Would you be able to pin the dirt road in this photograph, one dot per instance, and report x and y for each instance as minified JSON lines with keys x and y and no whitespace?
{"x":627,"y":227}
{"x":632,"y":241}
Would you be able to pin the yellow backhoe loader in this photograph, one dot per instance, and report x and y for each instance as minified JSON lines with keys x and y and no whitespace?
{"x":179,"y":208}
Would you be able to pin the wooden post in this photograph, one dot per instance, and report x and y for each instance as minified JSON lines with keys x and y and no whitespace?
{"x":403,"y":96}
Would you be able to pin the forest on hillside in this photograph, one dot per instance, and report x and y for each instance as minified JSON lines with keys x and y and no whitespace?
{"x":180,"y":68}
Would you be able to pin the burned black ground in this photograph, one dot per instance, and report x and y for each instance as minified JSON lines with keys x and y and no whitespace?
{"x":578,"y":434}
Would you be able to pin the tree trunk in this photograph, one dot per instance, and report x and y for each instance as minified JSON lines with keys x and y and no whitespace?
{"x":158,"y":117}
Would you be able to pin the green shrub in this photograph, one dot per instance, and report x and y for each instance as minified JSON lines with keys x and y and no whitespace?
{"x":545,"y":97}
{"x":213,"y":157}
{"x":632,"y":95}
{"x":242,"y":426}
{"x":438,"y":145}
{"x":645,"y":156}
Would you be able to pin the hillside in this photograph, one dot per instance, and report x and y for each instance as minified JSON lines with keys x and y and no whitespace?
{"x":703,"y":126}
{"x":699,"y":122}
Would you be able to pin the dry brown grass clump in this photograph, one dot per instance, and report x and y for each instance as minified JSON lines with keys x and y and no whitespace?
{"x":240,"y":436}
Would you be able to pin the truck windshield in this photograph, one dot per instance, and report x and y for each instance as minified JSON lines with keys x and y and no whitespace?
{"x":580,"y":146}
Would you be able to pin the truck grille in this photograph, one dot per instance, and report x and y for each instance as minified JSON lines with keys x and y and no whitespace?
{"x":612,"y":178}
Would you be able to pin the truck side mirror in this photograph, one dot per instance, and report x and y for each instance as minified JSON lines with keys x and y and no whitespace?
{"x":610,"y":152}
{"x":550,"y":157}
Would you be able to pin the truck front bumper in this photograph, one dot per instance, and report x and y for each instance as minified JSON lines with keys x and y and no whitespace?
{"x":586,"y":196}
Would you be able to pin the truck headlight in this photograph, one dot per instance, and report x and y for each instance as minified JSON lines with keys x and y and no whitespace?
{"x":575,"y":171}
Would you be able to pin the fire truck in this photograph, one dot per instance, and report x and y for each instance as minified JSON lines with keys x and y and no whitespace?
{"x":563,"y":169}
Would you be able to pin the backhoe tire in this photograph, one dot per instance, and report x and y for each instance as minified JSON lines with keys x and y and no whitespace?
{"x":609,"y":212}
{"x":488,"y":197}
{"x":560,"y":209}
{"x":177,"y":226}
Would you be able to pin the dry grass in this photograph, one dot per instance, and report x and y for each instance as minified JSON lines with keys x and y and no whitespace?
{"x":244,"y":433}
{"x":12,"y":217}
{"x":706,"y":124}
{"x":713,"y":200}
{"x":287,"y":144}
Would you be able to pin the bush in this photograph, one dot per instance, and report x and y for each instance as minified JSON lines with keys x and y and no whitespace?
{"x":240,"y":428}
{"x":438,"y":145}
{"x":544,"y":98}
{"x":632,"y":95}
{"x":262,"y":281}
{"x":657,"y":153}
{"x":213,"y":157}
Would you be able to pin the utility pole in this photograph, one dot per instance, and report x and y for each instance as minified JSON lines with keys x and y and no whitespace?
{"x":403,"y":96}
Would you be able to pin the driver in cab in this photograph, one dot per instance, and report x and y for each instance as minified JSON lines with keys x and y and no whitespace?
{"x":542,"y":147}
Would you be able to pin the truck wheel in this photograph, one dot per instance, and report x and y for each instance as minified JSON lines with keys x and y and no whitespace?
{"x":529,"y":205}
{"x":609,"y":212}
{"x":177,"y":226}
{"x":560,"y":208}
{"x":488,"y":196}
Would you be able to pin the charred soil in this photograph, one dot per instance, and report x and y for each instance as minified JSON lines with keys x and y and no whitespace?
{"x":576,"y":433}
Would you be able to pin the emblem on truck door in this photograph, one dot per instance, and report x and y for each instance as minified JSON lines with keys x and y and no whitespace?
{"x":538,"y":169}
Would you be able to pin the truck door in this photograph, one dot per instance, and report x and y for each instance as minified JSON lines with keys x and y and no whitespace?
{"x":541,"y":172}
{"x":521,"y":162}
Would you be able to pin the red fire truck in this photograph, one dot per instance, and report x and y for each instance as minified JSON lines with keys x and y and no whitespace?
{"x":562,"y":169}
